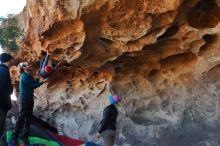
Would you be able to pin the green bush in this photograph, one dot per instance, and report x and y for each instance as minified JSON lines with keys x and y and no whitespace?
{"x":9,"y":31}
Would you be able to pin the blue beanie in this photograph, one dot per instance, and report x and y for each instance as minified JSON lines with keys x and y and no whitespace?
{"x":5,"y":57}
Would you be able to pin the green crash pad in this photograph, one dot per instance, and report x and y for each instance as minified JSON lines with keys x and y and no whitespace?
{"x":33,"y":140}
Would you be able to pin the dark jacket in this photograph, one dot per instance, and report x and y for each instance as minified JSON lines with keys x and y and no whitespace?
{"x":43,"y":74}
{"x":6,"y":87}
{"x":108,"y":122}
{"x":27,"y":85}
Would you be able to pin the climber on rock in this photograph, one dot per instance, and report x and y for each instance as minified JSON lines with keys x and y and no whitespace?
{"x":6,"y":90}
{"x":27,"y":85}
{"x":108,"y":124}
{"x":47,"y":67}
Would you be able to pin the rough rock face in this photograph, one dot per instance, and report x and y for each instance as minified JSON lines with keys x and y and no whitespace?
{"x":161,"y":57}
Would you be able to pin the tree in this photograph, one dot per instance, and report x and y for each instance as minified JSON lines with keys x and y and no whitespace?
{"x":9,"y":32}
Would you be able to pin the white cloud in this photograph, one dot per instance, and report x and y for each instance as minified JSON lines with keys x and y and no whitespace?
{"x":11,"y":7}
{"x":13,"y":97}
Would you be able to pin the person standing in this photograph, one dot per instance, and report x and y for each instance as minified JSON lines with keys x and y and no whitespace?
{"x":107,"y":128}
{"x":6,"y":90}
{"x":27,"y":85}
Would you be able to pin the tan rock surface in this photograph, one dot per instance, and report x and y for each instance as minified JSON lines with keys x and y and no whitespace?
{"x":162,"y":57}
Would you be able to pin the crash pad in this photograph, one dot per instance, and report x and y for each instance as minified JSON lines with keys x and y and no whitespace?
{"x":89,"y":144}
{"x":32,"y":140}
{"x":68,"y":141}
